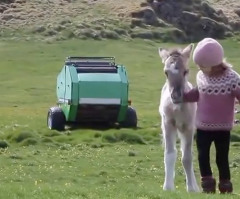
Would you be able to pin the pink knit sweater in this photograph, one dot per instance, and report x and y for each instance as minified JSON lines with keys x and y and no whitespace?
{"x":215,"y":97}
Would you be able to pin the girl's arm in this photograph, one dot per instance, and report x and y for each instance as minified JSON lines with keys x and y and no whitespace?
{"x":236,"y":93}
{"x":236,"y":87}
{"x":192,"y":95}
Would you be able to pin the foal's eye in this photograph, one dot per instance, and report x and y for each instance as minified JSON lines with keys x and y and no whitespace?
{"x":185,"y":72}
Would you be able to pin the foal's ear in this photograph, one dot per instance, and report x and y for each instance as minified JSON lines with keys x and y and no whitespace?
{"x":163,"y":53}
{"x":186,"y":52}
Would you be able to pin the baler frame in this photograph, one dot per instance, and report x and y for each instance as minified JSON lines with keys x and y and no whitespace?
{"x":74,"y":108}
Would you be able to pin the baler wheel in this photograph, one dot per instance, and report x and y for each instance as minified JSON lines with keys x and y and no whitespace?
{"x":56,"y":119}
{"x":130,"y":119}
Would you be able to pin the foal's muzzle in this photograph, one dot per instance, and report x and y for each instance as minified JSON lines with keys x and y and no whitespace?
{"x":177,"y":96}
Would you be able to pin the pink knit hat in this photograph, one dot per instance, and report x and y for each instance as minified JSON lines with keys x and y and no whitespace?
{"x":208,"y":52}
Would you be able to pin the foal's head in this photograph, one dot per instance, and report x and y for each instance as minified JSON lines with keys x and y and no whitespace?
{"x":176,"y":68}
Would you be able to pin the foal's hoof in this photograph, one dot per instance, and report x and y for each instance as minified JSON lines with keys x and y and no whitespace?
{"x":168,"y":187}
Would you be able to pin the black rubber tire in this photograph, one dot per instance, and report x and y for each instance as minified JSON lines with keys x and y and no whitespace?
{"x":130,"y":119}
{"x":56,"y":119}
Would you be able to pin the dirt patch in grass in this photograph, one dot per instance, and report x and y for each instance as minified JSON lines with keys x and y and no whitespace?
{"x":124,"y":137}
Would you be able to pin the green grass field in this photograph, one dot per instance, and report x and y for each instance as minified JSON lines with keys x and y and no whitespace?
{"x":85,"y":162}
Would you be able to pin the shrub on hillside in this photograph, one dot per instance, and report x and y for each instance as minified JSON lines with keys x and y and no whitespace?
{"x":20,"y":136}
{"x":235,"y":137}
{"x":29,"y":141}
{"x":108,"y":34}
{"x":3,"y":144}
{"x":143,"y":35}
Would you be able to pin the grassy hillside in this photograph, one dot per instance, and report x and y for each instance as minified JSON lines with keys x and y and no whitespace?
{"x":101,"y":19}
{"x":87,"y":162}
{"x":59,"y":19}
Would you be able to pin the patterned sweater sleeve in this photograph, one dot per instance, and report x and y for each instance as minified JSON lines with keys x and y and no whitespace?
{"x":235,"y":84}
{"x":191,"y":95}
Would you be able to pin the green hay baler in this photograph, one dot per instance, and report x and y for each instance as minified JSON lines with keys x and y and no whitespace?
{"x":92,"y":89}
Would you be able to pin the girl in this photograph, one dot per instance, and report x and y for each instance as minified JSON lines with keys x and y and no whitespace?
{"x":217,"y":87}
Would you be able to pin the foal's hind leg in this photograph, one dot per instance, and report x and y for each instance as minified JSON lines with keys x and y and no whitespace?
{"x":187,"y":160}
{"x":170,"y":154}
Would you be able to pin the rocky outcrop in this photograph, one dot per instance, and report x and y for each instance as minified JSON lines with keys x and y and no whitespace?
{"x":7,"y":1}
{"x":195,"y":18}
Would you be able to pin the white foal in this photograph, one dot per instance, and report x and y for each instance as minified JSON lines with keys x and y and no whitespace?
{"x":177,"y":117}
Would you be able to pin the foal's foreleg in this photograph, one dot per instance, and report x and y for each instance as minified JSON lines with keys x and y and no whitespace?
{"x":187,"y":161}
{"x":170,"y":155}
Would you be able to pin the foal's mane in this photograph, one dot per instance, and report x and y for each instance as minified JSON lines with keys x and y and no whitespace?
{"x":175,"y":52}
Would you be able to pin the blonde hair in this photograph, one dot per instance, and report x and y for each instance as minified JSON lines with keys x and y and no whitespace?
{"x":225,"y":64}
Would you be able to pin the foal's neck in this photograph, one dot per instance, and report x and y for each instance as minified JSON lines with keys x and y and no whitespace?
{"x":185,"y":84}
